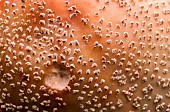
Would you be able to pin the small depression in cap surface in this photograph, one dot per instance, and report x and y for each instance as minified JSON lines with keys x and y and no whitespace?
{"x":58,"y":78}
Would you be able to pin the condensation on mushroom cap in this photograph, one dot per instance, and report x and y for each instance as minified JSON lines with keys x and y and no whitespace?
{"x":58,"y":78}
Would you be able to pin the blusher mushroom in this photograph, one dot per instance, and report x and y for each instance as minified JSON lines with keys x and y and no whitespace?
{"x":84,"y":56}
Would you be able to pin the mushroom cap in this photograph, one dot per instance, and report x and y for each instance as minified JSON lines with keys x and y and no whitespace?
{"x":85,"y":56}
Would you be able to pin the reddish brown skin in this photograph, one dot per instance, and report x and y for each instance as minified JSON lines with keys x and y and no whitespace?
{"x":112,"y":13}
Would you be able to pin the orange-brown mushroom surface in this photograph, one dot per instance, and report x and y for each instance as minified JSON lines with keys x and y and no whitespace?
{"x":84,"y":56}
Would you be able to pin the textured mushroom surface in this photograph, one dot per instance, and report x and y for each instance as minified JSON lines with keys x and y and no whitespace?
{"x":85,"y":56}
